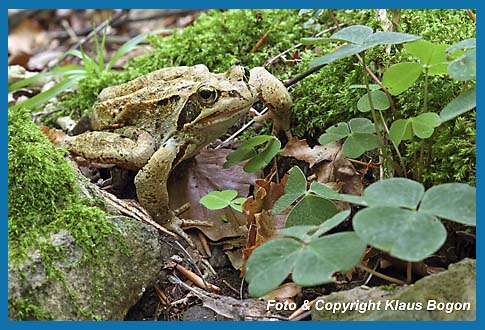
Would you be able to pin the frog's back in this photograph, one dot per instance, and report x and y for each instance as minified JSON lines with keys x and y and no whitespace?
{"x":147,"y":100}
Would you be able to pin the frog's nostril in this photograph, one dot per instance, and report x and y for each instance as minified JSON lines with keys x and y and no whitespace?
{"x":233,"y":93}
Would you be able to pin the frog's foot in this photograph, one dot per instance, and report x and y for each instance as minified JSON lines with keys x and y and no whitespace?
{"x":176,"y":225}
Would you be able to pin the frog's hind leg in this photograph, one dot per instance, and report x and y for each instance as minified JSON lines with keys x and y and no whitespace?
{"x":152,"y":192}
{"x":113,"y":148}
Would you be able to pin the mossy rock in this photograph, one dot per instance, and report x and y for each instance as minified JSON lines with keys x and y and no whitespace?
{"x":66,"y":260}
{"x":449,"y":295}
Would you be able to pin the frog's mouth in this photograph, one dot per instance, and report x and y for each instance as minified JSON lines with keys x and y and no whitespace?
{"x":219,"y":117}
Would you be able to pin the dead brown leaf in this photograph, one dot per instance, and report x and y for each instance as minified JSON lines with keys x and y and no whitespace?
{"x":331,"y":167}
{"x":342,"y":174}
{"x":56,"y":136}
{"x":283,"y":292}
{"x":299,"y":149}
{"x":23,"y":40}
{"x":262,"y":225}
{"x":204,"y":173}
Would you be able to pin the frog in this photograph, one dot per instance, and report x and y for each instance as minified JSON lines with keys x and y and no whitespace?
{"x":154,"y":122}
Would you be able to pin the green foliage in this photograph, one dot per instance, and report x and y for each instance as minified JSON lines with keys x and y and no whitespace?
{"x":379,"y":101}
{"x":405,"y":234}
{"x":333,"y":98}
{"x":43,"y":199}
{"x":26,"y":310}
{"x":357,"y":38}
{"x":310,"y":258}
{"x":310,"y":210}
{"x":462,"y":103}
{"x":421,"y":126}
{"x":70,"y":79}
{"x":216,"y":200}
{"x":71,"y":75}
{"x":399,"y":217}
{"x":359,"y":133}
{"x":463,"y":67}
{"x":295,"y":188}
{"x":38,"y":176}
{"x":256,"y":160}
{"x":399,"y":77}
{"x":454,"y":155}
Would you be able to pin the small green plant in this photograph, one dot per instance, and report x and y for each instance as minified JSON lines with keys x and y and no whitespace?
{"x":311,"y":258}
{"x":462,"y":68}
{"x":310,"y":209}
{"x":421,"y":126}
{"x":71,"y":75}
{"x":359,"y":136}
{"x":216,"y":200}
{"x":247,"y":151}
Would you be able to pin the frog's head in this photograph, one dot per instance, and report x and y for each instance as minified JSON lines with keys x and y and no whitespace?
{"x":217,"y":102}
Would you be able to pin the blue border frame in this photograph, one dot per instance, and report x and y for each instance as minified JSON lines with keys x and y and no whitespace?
{"x":337,"y":4}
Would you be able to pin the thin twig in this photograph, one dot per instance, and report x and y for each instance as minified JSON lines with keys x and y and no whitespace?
{"x":370,"y":275}
{"x":239,"y":131}
{"x":230,"y":286}
{"x":191,"y":260}
{"x":274,"y":59}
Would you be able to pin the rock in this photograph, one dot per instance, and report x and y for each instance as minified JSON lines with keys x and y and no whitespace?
{"x":105,"y":291}
{"x":449,"y":295}
{"x":200,"y":313}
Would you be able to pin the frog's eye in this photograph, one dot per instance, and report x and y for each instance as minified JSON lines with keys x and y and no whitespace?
{"x":246,"y":75}
{"x":207,"y":94}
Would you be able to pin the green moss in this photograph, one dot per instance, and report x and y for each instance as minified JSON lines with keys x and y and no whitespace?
{"x":43,"y":199}
{"x":388,"y":288}
{"x":219,"y":39}
{"x":25,"y":310}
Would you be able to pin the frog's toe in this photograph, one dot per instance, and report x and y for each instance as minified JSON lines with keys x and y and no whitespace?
{"x":177,"y":223}
{"x":176,"y":227}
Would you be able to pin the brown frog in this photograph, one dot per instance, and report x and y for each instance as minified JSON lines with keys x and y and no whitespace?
{"x":156,"y":121}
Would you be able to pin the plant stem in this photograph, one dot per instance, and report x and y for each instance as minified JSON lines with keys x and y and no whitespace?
{"x":425,"y":109}
{"x":373,"y":112}
{"x":425,"y":105}
{"x":415,"y":159}
{"x":401,"y":160}
{"x":380,"y":275}
{"x":421,"y":161}
{"x":379,"y":82}
{"x":409,"y":272}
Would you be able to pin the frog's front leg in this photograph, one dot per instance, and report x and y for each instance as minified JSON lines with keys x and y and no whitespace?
{"x":151,"y":189}
{"x":113,"y":148}
{"x":273,"y":94}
